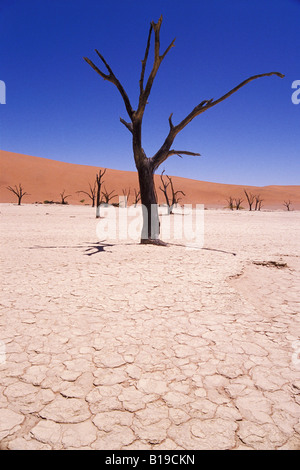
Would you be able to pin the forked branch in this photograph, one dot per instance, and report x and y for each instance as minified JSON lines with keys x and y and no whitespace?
{"x":18,"y":191}
{"x":113,"y":79}
{"x":144,"y":61}
{"x":164,"y":152}
{"x":207,"y":104}
{"x":145,"y":92}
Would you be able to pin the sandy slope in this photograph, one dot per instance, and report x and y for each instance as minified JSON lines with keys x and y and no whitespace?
{"x":45,"y":179}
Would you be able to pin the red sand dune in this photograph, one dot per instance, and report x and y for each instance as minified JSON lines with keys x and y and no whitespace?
{"x":45,"y":179}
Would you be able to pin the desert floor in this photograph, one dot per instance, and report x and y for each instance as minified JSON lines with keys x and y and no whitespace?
{"x":118,"y":345}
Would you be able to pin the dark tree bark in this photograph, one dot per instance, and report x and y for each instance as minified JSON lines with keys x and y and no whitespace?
{"x":287,"y":204}
{"x":258,"y":203}
{"x":250,"y":198}
{"x":150,"y":230}
{"x":146,"y":166}
{"x":18,"y":191}
{"x":99,"y":182}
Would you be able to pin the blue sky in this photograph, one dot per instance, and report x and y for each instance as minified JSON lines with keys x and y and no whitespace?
{"x":57,"y":107}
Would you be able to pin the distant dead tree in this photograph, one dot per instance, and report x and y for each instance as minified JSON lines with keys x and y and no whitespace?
{"x":126,"y":194}
{"x":146,"y":166}
{"x":99,"y":182}
{"x":258,"y":203}
{"x":250,"y":198}
{"x":91,"y":193}
{"x":137,"y":196}
{"x":18,"y":191}
{"x":107,"y":197}
{"x":164,"y":190}
{"x":234,"y":203}
{"x":63,"y":197}
{"x":230,"y":202}
{"x":174,"y":198}
{"x":238,"y":201}
{"x":287,"y":204}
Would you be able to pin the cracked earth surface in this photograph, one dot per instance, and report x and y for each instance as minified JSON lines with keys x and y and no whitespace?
{"x":142,"y":347}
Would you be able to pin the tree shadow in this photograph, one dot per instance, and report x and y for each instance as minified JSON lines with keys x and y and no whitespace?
{"x":220,"y":251}
{"x":97,"y":247}
{"x":202,"y":248}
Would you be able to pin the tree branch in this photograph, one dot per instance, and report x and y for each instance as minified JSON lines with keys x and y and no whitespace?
{"x":170,"y":121}
{"x":164,"y":152}
{"x":113,"y":79}
{"x":205,"y":105}
{"x":182,"y":152}
{"x":127,"y":124}
{"x":144,"y":93}
{"x":144,"y":62}
{"x":15,"y":191}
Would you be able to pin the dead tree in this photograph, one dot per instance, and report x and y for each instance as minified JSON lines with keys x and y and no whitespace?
{"x":164,"y":190}
{"x":63,"y":197}
{"x":175,"y":197}
{"x":107,"y":197}
{"x":137,"y":197}
{"x":146,"y":166}
{"x":258,"y":203}
{"x":230,"y":203}
{"x":99,"y":181}
{"x":250,"y":198}
{"x":238,"y":201}
{"x":287,"y":204}
{"x":18,"y":191}
{"x":91,"y":193}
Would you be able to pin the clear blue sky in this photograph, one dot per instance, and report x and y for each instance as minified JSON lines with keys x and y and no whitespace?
{"x":57,"y":107}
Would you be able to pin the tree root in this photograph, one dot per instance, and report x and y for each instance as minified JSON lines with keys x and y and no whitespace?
{"x":153,"y":241}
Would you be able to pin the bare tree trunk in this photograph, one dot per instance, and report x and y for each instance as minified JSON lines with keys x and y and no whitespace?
{"x":250,"y":198}
{"x":99,"y":182}
{"x":150,"y":230}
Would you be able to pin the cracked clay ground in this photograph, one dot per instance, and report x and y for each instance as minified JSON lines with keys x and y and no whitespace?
{"x":124,"y":346}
